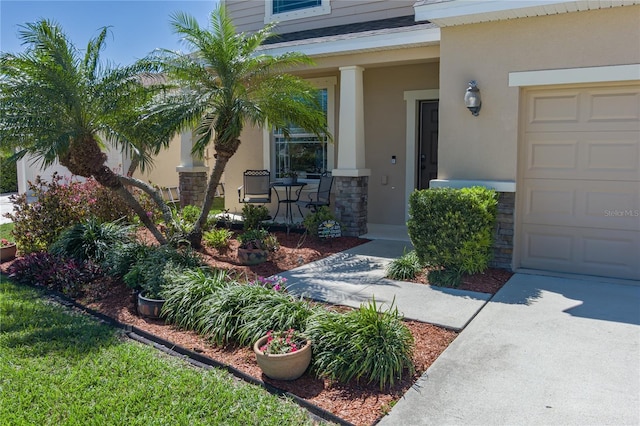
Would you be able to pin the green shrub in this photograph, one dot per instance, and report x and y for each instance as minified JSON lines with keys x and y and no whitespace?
{"x":453,"y":228}
{"x":150,"y":272}
{"x":218,"y":239}
{"x":8,"y":175}
{"x":183,"y":223}
{"x":444,"y":277}
{"x":313,"y":220}
{"x":361,"y":344}
{"x":124,"y":255}
{"x":186,"y":294}
{"x":253,"y":216}
{"x":279,"y":311}
{"x":406,"y":267}
{"x":59,"y":205}
{"x":242,"y":313}
{"x":91,"y":240}
{"x":190,"y":213}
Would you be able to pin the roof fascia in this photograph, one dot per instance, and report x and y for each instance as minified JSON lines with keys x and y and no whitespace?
{"x":362,"y":42}
{"x":456,"y":12}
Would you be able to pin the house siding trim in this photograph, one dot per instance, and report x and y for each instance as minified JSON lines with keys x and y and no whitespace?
{"x":403,"y":37}
{"x":630,"y":72}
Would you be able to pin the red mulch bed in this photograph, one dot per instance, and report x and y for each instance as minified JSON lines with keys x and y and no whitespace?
{"x":358,"y":403}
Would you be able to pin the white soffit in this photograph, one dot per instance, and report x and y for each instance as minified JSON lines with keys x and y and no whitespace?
{"x":446,"y":13}
{"x":351,"y":43}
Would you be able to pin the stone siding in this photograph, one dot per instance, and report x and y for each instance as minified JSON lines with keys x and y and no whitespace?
{"x":503,"y":241}
{"x":352,"y":195}
{"x":193,"y":186}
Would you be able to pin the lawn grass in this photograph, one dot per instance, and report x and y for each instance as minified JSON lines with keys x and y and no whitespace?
{"x":62,"y":367}
{"x":5,"y":231}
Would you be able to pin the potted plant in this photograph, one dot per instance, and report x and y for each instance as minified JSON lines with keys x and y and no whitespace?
{"x":255,"y":245}
{"x":8,"y":250}
{"x":152,"y":270}
{"x":289,"y":177}
{"x":283,"y":355}
{"x":150,"y":300}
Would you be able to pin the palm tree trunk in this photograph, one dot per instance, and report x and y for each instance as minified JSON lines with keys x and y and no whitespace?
{"x":107,"y":178}
{"x":152,"y":192}
{"x":133,"y":166}
{"x":195,"y":236}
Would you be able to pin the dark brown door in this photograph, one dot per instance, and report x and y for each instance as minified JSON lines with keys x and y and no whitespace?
{"x":428,"y":143}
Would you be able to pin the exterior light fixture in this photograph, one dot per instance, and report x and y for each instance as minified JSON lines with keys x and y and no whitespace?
{"x":472,"y":98}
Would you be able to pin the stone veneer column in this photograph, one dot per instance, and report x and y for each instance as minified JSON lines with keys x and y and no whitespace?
{"x":192,"y":174}
{"x":352,"y":194}
{"x":503,"y":241}
{"x":193,"y":186}
{"x":351,"y":178}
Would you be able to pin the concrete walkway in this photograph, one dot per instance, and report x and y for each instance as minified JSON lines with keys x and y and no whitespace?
{"x":355,"y":276}
{"x":543,"y":351}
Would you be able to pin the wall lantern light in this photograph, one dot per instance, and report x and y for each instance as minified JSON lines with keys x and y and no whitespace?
{"x":472,"y":98}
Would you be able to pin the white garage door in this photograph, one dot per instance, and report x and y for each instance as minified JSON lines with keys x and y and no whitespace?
{"x":580,"y":181}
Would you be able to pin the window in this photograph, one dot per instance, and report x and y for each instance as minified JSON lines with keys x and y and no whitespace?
{"x":281,"y":6}
{"x":304,"y":152}
{"x":287,"y":10}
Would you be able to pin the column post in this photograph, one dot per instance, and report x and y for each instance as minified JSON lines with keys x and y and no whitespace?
{"x":351,"y":174}
{"x":192,"y":173}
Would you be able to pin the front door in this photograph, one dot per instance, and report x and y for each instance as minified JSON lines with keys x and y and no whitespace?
{"x":428,"y":143}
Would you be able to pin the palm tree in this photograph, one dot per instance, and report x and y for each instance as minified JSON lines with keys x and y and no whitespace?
{"x":226,"y":83}
{"x":57,"y":104}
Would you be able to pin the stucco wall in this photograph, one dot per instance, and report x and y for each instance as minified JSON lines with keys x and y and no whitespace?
{"x":485,"y":147}
{"x":249,"y":156}
{"x":164,"y":172}
{"x":385,"y":135}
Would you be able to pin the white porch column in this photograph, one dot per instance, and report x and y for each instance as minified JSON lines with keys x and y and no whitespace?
{"x":189,"y":163}
{"x":192,"y":173}
{"x":351,"y":150}
{"x":351,"y":176}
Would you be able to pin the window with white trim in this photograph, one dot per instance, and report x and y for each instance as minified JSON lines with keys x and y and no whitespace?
{"x":287,"y":10}
{"x":302,"y":152}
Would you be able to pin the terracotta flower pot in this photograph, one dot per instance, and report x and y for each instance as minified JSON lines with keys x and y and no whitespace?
{"x":252,"y":256}
{"x":149,"y":308}
{"x":283,"y":366}
{"x":8,"y":252}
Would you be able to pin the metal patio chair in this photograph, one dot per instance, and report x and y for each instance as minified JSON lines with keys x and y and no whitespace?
{"x":322,"y":197}
{"x":256,"y":188}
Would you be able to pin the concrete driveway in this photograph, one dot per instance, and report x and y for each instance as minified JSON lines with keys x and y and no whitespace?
{"x":543,"y":351}
{"x":6,"y":206}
